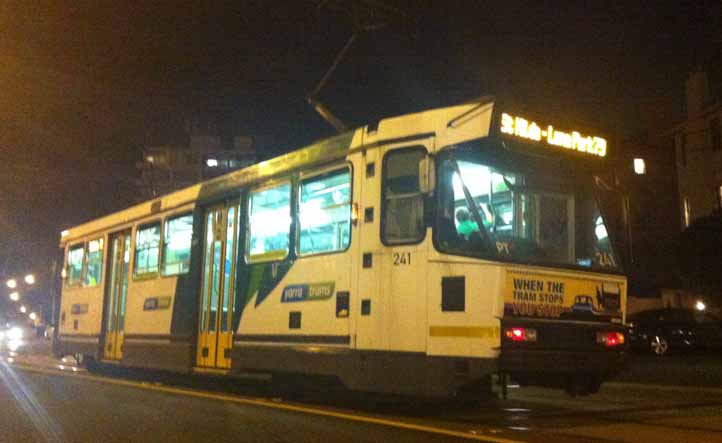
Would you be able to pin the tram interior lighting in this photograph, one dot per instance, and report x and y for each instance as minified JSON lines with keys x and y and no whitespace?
{"x":212,"y":162}
{"x":30,"y":279}
{"x":14,"y":296}
{"x":95,"y":245}
{"x":12,"y":283}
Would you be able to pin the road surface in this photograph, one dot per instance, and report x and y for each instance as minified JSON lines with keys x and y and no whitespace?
{"x":47,"y":400}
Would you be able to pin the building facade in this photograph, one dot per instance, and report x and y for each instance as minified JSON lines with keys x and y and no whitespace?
{"x":649,"y":225}
{"x":698,"y":151}
{"x":165,"y":169}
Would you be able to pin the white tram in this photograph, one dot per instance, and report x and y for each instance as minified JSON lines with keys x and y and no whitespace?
{"x":417,"y":257}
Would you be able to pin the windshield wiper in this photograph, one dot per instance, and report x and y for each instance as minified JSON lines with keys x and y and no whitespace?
{"x":471,"y":204}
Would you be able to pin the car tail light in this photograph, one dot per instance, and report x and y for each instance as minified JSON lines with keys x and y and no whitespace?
{"x":520,"y":334}
{"x":610,"y":339}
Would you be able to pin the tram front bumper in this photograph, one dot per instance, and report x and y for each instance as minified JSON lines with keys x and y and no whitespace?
{"x":604,"y":363}
{"x":560,"y":352}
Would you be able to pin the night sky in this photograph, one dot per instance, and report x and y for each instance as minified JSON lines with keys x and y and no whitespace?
{"x":82,"y":89}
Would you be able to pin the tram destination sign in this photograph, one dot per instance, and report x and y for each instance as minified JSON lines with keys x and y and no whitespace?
{"x":549,"y":136}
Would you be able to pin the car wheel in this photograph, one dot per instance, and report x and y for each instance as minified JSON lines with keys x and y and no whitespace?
{"x":659,"y":345}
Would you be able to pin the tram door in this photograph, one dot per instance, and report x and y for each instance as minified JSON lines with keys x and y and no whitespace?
{"x":115,"y":294}
{"x":215,"y":331}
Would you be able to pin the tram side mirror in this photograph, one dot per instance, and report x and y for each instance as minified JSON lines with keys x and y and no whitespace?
{"x":427,"y":175}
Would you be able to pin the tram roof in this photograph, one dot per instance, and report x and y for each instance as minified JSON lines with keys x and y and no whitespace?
{"x":451,"y":121}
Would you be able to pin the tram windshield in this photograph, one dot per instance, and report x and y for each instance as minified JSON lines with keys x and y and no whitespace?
{"x":497,"y":203}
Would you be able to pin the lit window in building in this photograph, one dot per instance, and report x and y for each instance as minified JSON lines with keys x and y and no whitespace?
{"x":686,"y":212}
{"x":212,"y":162}
{"x":640,"y":167}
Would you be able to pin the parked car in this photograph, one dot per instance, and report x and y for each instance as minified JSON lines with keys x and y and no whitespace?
{"x":661,"y":331}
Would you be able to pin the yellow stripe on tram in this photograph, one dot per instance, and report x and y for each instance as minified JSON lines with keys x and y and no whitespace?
{"x":465,"y":331}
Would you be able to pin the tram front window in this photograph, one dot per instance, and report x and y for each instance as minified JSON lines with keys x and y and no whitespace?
{"x":518,"y":211}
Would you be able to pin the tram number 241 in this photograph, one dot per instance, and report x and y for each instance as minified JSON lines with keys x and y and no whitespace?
{"x":402,"y":258}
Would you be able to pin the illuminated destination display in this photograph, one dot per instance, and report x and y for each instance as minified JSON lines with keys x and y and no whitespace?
{"x":527,"y":129}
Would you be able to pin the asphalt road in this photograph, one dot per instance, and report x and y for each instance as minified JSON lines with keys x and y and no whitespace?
{"x":55,"y":409}
{"x":45,"y":400}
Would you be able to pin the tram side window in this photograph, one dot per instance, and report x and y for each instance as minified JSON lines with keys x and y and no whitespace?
{"x":75,"y":264}
{"x":325,"y":213}
{"x":403,"y":201}
{"x":147,"y":244}
{"x":269,"y":223}
{"x":177,"y":245}
{"x":94,"y":262}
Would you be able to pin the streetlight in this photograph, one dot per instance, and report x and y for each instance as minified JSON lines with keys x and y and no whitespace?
{"x":15,"y":296}
{"x":12,"y":283}
{"x":23,"y":309}
{"x":30,"y":279}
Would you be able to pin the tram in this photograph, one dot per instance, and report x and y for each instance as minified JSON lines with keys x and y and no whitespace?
{"x":416,"y":256}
